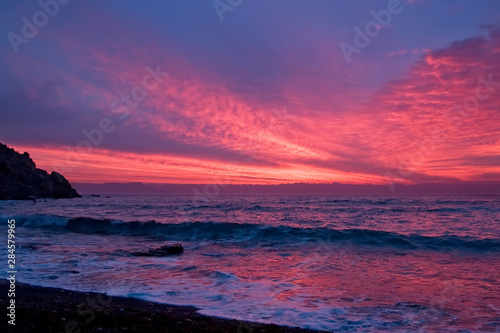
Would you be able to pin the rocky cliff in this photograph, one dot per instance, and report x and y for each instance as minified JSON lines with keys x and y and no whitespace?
{"x":21,"y":180}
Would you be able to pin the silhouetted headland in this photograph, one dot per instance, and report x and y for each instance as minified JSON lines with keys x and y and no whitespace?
{"x":20,"y":179}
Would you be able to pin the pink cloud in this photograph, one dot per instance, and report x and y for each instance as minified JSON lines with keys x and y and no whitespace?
{"x":434,"y":116}
{"x":405,"y":51}
{"x":334,"y":130}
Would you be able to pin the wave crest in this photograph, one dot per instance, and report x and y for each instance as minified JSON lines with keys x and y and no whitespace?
{"x":257,"y":234}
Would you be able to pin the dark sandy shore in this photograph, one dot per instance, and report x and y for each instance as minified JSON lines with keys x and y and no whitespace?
{"x":41,"y":309}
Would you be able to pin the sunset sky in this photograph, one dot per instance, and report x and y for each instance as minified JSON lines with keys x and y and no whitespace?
{"x":263,"y":92}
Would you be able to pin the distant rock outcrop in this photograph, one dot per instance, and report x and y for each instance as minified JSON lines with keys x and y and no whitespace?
{"x":21,"y":180}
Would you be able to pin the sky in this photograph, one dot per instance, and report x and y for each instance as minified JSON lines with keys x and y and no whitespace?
{"x":254,"y":92}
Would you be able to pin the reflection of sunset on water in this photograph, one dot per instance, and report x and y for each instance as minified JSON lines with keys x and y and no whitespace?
{"x":404,"y":262}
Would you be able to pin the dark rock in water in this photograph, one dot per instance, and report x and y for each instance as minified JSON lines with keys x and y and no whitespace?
{"x":21,"y":180}
{"x":162,"y":251}
{"x":95,"y":195}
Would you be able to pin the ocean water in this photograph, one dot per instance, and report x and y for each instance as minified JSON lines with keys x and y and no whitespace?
{"x":350,"y":264}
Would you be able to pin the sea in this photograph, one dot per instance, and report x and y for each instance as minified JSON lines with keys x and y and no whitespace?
{"x":333,"y":263}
